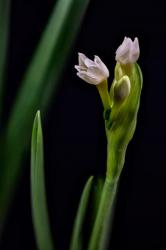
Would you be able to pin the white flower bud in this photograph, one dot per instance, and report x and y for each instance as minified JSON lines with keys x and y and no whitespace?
{"x":128,"y":52}
{"x":93,"y":72}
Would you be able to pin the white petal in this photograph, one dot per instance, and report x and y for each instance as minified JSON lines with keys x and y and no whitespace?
{"x":133,"y":57}
{"x":81,"y":59}
{"x":96,"y":74}
{"x":87,"y":78}
{"x":77,"y":67}
{"x":94,"y":70}
{"x":102,"y":66}
{"x":135,"y":50}
{"x":136,"y":43}
{"x":124,"y":47}
{"x":124,"y":59}
{"x":89,"y":62}
{"x":80,"y":68}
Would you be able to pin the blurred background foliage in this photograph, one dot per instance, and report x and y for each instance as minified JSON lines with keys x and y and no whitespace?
{"x":36,"y":87}
{"x":74,"y":137}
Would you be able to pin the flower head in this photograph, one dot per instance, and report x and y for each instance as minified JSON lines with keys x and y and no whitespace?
{"x":128,"y":52}
{"x":93,"y":72}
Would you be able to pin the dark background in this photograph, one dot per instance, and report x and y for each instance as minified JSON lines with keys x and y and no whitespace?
{"x":75,"y":143}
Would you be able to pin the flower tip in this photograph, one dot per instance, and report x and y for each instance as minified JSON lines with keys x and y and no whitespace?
{"x":81,"y":59}
{"x":78,"y":74}
{"x":136,"y":43}
{"x":80,"y":54}
{"x":76,"y":67}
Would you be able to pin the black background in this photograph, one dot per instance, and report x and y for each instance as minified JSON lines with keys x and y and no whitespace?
{"x":75,"y":143}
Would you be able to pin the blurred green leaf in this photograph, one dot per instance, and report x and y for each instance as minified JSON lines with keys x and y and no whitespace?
{"x":76,"y":241}
{"x":4,"y":29}
{"x":38,"y":192}
{"x":39,"y":82}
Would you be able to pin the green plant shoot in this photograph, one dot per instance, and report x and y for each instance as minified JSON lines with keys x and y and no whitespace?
{"x":38,"y":192}
{"x":121,"y":106}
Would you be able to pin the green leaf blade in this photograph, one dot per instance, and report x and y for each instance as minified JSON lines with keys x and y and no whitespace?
{"x":43,"y":73}
{"x":4,"y":30}
{"x":38,"y":192}
{"x":76,"y":241}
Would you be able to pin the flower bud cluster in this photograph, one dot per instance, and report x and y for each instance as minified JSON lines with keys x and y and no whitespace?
{"x":95,"y":71}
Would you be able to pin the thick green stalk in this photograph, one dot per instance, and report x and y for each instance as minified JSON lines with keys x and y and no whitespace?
{"x":98,"y":239}
{"x":115,"y":159}
{"x":102,"y":225}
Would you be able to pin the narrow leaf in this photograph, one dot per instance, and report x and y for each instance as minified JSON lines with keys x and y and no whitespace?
{"x":38,"y":192}
{"x":96,"y":196}
{"x":39,"y":82}
{"x":4,"y":29}
{"x":76,"y":241}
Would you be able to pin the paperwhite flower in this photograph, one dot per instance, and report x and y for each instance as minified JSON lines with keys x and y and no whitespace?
{"x":93,"y":72}
{"x":128,"y":52}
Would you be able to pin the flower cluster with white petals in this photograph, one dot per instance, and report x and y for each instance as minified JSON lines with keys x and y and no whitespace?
{"x":93,"y":72}
{"x":128,"y":52}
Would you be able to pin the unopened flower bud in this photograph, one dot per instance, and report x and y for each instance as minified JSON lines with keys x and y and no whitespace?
{"x":122,"y":89}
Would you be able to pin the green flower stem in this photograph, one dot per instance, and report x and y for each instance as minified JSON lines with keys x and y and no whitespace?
{"x":115,"y":160}
{"x":98,"y":239}
{"x":102,"y":226}
{"x":104,"y":94}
